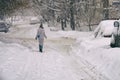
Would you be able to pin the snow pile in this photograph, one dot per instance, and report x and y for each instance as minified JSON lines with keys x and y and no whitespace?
{"x":98,"y":53}
{"x":12,"y":60}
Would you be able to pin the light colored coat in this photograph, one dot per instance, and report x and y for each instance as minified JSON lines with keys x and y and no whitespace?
{"x":42,"y":35}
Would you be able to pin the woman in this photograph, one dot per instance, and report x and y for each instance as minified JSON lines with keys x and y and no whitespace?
{"x":40,"y":36}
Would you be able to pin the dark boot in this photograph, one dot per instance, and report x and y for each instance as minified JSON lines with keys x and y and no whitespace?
{"x":40,"y":48}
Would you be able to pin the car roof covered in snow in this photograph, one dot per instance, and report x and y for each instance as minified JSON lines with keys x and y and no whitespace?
{"x":105,"y":28}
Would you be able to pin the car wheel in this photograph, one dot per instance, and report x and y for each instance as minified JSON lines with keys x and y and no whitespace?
{"x":6,"y":31}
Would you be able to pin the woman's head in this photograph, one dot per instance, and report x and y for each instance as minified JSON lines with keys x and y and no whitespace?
{"x":41,"y":26}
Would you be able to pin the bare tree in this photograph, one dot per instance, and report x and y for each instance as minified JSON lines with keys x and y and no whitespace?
{"x":87,"y":12}
{"x":8,"y":7}
{"x":74,"y":12}
{"x":72,"y":20}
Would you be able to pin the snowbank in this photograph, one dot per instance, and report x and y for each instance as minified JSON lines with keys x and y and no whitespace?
{"x":12,"y":60}
{"x":98,"y":53}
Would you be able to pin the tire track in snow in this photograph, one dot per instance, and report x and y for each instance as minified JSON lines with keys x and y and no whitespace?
{"x":87,"y":71}
{"x":81,"y":68}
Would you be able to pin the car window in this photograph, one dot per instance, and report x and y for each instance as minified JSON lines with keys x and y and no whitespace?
{"x":116,"y":24}
{"x":2,"y":25}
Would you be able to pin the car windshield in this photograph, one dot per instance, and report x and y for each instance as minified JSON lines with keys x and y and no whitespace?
{"x":2,"y":25}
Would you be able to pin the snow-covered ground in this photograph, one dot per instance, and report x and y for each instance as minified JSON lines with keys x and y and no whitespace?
{"x":98,"y":53}
{"x":68,"y":55}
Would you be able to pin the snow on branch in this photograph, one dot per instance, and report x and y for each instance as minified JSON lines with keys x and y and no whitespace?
{"x":58,"y":10}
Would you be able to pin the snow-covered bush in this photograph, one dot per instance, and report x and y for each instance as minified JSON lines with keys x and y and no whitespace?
{"x":104,"y":29}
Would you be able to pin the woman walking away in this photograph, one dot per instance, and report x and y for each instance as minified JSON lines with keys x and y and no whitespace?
{"x":40,"y":36}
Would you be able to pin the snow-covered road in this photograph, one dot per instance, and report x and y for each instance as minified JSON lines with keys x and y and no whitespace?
{"x":57,"y":62}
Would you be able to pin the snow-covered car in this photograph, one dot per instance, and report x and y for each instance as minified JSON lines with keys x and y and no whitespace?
{"x":4,"y":26}
{"x":34,"y":20}
{"x":105,"y":28}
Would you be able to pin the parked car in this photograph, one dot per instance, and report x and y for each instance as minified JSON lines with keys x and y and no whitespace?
{"x":4,"y":26}
{"x":115,"y":39}
{"x":105,"y":28}
{"x":34,"y":20}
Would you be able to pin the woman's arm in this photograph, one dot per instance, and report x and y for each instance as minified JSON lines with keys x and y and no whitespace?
{"x":45,"y":35}
{"x":37,"y":34}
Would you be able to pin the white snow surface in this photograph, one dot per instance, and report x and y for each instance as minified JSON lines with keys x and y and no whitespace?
{"x":68,"y":55}
{"x":98,"y":53}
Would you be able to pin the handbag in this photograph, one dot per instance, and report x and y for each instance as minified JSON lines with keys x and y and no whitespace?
{"x":38,"y":36}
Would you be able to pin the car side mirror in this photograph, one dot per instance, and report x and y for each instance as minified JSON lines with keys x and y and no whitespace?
{"x":116,"y":24}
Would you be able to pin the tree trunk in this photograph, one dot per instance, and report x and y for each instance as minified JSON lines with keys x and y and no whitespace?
{"x":72,"y":21}
{"x":62,"y":24}
{"x":105,"y":10}
{"x":90,"y":29}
